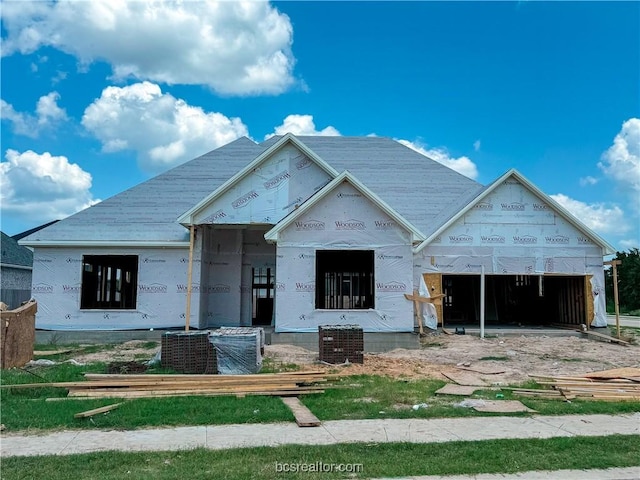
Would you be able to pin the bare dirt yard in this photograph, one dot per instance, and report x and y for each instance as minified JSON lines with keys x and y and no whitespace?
{"x":516,"y":357}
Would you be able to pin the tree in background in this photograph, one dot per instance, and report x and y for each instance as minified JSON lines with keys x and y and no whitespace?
{"x":628,"y":282}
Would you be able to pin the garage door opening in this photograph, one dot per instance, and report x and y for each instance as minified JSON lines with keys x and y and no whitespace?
{"x":515,"y":300}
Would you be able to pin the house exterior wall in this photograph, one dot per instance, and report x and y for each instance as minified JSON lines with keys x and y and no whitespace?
{"x":344,"y":220}
{"x":513,"y":232}
{"x":16,"y":285}
{"x":161,"y":294}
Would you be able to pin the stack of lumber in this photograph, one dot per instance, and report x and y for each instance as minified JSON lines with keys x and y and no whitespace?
{"x":612,"y":385}
{"x":145,"y":386}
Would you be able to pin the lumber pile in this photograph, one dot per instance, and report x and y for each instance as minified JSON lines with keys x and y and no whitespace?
{"x":150,"y":385}
{"x":609,"y":385}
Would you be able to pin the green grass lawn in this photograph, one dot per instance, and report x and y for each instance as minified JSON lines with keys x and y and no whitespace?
{"x":376,"y":460}
{"x":353,"y":397}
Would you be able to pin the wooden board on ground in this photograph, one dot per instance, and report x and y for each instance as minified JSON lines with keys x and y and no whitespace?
{"x":502,"y":406}
{"x":626,"y":372}
{"x":304,"y":416}
{"x":484,"y":370}
{"x":96,"y":411}
{"x":465,"y":378}
{"x":591,"y":333}
{"x":46,"y":353}
{"x":455,"y":389}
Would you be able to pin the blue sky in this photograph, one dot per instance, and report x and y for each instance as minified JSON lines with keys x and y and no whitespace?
{"x":99,"y":96}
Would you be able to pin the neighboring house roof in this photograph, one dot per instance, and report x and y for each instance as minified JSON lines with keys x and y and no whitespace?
{"x":14,"y":254}
{"x":26,"y":233}
{"x":483,"y":193}
{"x":272,"y":235}
{"x":146,"y":214}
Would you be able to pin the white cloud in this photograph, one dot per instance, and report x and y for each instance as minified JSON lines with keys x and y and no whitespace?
{"x":588,"y":181}
{"x":302,"y":125}
{"x":476,"y":145}
{"x":463,"y":165}
{"x":163,"y":130}
{"x":48,"y":110}
{"x":629,"y":244}
{"x":48,"y":114}
{"x":237,"y":48}
{"x":41,"y":187}
{"x":621,"y":162}
{"x":601,"y":218}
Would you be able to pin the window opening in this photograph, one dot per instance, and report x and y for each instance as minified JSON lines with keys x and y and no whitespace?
{"x":344,"y":279}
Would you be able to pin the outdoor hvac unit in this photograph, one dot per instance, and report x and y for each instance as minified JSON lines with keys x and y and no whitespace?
{"x":238,"y":350}
{"x":188,"y":352}
{"x":341,"y":344}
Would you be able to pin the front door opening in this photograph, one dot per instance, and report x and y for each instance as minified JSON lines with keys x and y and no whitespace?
{"x":262,"y":293}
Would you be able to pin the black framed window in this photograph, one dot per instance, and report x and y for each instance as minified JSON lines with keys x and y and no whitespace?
{"x":109,"y":282}
{"x":344,"y":279}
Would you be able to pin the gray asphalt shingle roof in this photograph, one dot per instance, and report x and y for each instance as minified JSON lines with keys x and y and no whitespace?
{"x":418,"y":188}
{"x":14,"y":254}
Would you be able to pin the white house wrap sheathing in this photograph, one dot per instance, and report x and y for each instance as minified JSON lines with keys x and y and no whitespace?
{"x":514,"y":232}
{"x":161,"y":294}
{"x":269,"y":192}
{"x":344,"y":220}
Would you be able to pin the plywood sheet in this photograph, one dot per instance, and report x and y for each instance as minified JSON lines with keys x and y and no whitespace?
{"x":455,"y":389}
{"x":502,"y":406}
{"x":465,"y":378}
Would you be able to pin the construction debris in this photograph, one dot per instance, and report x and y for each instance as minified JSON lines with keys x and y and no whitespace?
{"x":149,"y":385}
{"x":608,"y":385}
{"x":304,"y":417}
{"x":96,"y":411}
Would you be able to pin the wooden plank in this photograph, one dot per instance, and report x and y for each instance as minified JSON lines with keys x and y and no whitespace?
{"x":591,"y":333}
{"x":96,"y":411}
{"x":433,"y":281}
{"x":304,"y":416}
{"x":615,"y":373}
{"x":193,"y":393}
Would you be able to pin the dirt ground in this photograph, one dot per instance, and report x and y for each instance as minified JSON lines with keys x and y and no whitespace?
{"x":515,"y":357}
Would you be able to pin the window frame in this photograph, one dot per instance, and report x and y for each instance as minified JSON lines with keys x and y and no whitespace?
{"x":340,"y":269}
{"x":109,"y":282}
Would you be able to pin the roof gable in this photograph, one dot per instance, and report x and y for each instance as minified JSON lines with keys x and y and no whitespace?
{"x":530,"y":207}
{"x":267,"y":189}
{"x":345,"y":177}
{"x":418,"y":188}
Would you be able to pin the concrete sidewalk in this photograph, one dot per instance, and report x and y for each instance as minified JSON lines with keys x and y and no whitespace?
{"x":332,"y":432}
{"x":630,"y":473}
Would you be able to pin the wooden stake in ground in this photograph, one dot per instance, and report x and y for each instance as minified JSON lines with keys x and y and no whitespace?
{"x":614,"y":264}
